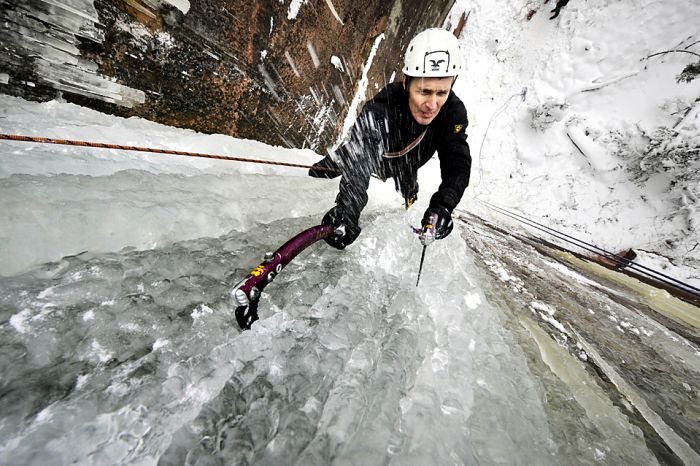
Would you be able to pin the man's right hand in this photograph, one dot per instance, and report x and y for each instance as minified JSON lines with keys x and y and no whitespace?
{"x":346,"y":229}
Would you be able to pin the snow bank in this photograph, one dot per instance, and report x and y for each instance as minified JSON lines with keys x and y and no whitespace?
{"x":605,"y":142}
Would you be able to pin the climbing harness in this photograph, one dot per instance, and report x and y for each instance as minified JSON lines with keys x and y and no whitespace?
{"x":412,"y":145}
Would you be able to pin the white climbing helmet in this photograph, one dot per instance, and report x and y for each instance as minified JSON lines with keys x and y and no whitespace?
{"x":433,"y":53}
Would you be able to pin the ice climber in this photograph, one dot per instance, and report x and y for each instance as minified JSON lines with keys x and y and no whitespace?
{"x":397,"y":132}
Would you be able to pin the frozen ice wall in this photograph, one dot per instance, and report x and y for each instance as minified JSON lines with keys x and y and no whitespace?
{"x":135,"y":357}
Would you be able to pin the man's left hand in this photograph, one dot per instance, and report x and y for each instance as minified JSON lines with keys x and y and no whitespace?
{"x":443,"y":225}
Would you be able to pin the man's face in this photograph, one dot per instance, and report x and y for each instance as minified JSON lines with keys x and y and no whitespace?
{"x":426,"y":96}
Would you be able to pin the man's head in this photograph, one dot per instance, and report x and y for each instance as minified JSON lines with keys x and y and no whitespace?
{"x":426,"y":96}
{"x":433,"y":61}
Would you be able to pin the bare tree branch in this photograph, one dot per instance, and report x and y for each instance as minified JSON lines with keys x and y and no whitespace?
{"x":670,"y":51}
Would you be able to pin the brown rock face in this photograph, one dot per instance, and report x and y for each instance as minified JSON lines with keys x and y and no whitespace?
{"x":276,"y":71}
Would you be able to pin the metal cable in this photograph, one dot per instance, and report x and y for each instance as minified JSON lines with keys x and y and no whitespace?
{"x":649,"y":272}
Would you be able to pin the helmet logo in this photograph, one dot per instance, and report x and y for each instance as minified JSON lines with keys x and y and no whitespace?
{"x":437,"y":61}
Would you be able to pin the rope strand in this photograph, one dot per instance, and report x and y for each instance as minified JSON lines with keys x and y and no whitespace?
{"x":101,"y":145}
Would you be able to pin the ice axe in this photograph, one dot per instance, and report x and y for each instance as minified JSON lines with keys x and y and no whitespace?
{"x":246,"y":294}
{"x":426,"y":235}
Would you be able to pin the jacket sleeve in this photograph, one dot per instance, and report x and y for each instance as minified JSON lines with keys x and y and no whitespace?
{"x":455,"y":159}
{"x":358,"y":159}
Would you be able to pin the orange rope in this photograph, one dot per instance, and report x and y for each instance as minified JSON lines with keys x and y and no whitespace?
{"x":101,"y":145}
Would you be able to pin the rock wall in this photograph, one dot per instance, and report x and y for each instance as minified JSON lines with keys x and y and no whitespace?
{"x":278,"y":71}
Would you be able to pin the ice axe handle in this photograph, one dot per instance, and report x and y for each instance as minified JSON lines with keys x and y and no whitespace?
{"x":426,"y":237}
{"x":427,"y":234}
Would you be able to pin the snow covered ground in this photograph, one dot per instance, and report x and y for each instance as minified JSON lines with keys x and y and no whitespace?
{"x":604,"y":144}
{"x":129,"y":353}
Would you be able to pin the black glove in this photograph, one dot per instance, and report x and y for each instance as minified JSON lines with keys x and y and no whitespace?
{"x":324,"y":168}
{"x":347,"y":229}
{"x":443,"y":225}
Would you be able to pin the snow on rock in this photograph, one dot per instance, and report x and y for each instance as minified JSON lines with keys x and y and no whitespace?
{"x":335,"y":61}
{"x":294,"y":7}
{"x":182,"y":5}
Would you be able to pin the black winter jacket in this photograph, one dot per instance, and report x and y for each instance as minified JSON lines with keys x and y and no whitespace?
{"x":388,"y":143}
